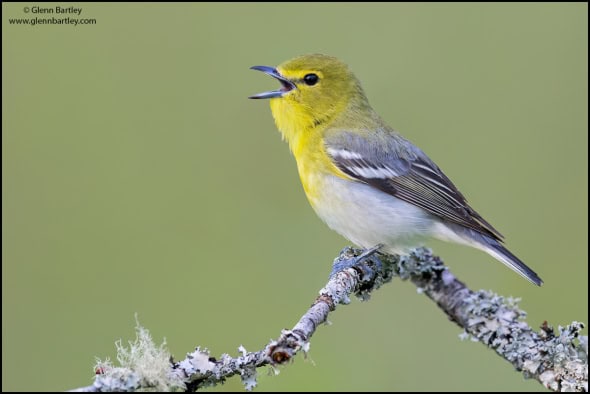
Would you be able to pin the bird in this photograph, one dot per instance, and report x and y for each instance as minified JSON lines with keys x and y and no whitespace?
{"x":364,"y":179}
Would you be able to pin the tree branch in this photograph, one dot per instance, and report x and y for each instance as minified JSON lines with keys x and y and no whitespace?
{"x":559,"y":361}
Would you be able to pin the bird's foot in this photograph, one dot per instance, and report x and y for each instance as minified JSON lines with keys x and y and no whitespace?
{"x":341,"y":265}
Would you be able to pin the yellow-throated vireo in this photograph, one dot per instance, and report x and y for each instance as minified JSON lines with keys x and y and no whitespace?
{"x":362,"y":178}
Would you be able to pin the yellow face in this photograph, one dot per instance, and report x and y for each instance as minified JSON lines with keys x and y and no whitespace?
{"x":314,"y":89}
{"x":323,"y":84}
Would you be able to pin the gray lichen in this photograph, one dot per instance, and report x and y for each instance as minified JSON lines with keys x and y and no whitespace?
{"x":559,"y":361}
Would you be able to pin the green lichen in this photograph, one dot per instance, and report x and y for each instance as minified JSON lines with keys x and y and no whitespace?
{"x":142,"y":365}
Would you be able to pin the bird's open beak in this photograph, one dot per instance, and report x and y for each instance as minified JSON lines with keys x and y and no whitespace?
{"x":287,"y":85}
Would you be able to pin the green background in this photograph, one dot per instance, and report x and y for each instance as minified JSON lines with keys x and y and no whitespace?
{"x":138,"y":178}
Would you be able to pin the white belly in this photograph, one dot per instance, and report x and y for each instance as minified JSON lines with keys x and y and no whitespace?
{"x":367,"y":216}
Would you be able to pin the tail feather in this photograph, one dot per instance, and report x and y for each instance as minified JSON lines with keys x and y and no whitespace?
{"x":497,"y":250}
{"x":493,"y":246}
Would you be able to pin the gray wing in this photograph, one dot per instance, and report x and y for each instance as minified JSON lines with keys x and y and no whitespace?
{"x":397,"y":167}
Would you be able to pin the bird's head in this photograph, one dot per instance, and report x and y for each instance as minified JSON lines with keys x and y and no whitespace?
{"x":314,"y":90}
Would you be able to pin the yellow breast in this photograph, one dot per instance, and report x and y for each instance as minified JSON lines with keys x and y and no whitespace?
{"x":306,"y":142}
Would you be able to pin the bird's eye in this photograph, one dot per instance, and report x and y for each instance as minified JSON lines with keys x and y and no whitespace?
{"x":311,"y":79}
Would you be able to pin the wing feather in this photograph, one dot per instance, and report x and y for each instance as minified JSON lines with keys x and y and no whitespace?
{"x":402,"y":170}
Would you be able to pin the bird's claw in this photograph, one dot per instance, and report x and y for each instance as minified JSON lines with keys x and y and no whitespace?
{"x":367,"y":271}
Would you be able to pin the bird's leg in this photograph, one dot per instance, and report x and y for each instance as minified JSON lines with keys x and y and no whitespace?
{"x":341,"y":265}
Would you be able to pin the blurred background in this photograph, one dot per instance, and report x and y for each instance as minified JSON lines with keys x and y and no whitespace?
{"x":138,"y":178}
